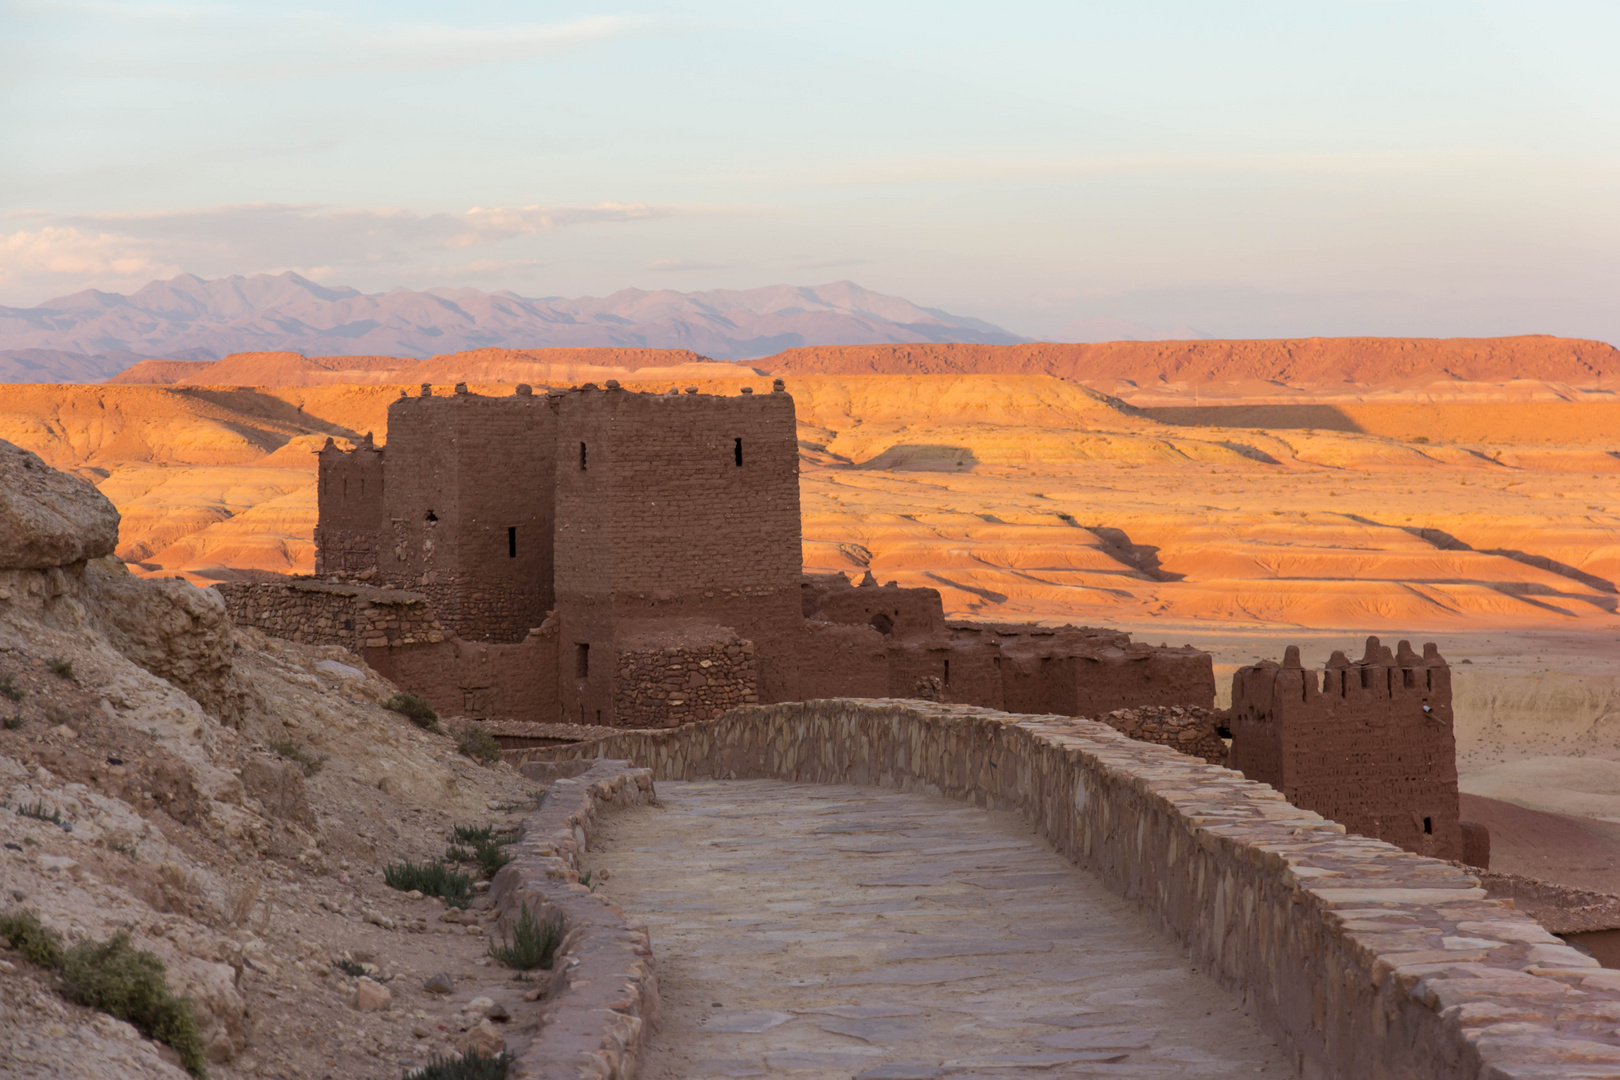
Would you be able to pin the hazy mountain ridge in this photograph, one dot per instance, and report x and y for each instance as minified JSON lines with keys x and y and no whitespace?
{"x":188,"y":318}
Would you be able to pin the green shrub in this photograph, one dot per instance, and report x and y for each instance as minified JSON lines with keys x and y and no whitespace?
{"x":38,"y":812}
{"x":416,"y":709}
{"x":131,"y":984}
{"x":62,"y":669}
{"x":12,"y":723}
{"x":303,"y":755}
{"x":432,"y":879}
{"x":532,"y":945}
{"x":349,"y":968}
{"x":38,"y":943}
{"x":474,"y":1065}
{"x":478,"y":744}
{"x":483,"y":847}
{"x":9,"y":691}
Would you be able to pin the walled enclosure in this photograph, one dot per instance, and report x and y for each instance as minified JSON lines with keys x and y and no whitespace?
{"x":1363,"y":960}
{"x":1371,"y":746}
{"x":553,"y":537}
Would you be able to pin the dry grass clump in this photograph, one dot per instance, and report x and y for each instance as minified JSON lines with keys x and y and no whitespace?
{"x":482,"y":846}
{"x":416,"y":709}
{"x":116,"y":978}
{"x":532,"y":944}
{"x":38,"y":943}
{"x":473,"y":1065}
{"x":9,"y":689}
{"x":298,"y":752}
{"x":431,"y":879}
{"x":62,"y":669}
{"x":478,"y":744}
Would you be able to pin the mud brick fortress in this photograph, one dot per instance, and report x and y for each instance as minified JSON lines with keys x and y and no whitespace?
{"x":607,"y":558}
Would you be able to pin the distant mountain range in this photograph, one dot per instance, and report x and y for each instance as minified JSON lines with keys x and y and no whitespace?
{"x":91,"y":335}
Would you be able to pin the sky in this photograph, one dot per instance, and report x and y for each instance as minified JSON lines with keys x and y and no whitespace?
{"x":1226,"y":167}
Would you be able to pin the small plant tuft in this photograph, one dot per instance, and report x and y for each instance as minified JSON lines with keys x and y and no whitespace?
{"x":62,"y":669}
{"x":12,"y":723}
{"x":478,"y":844}
{"x":349,"y":968}
{"x":478,"y":744}
{"x":585,"y":879}
{"x":1420,"y":439}
{"x":9,"y":689}
{"x":37,"y":811}
{"x":532,"y":944}
{"x":473,"y":1065}
{"x":432,"y":879}
{"x":416,"y":709}
{"x":132,"y":984}
{"x":38,"y":943}
{"x":303,"y":755}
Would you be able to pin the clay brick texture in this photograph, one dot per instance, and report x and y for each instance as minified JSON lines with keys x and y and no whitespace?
{"x":1369,"y":744}
{"x":593,"y":530}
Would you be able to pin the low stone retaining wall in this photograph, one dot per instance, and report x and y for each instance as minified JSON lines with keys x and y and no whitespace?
{"x":357,"y":617}
{"x":1364,"y":961}
{"x":604,"y":996}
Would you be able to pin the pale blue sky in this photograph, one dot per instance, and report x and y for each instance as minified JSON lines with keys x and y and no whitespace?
{"x":1242,"y":168}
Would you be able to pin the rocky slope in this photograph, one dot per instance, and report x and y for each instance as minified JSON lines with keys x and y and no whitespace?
{"x":229,"y":801}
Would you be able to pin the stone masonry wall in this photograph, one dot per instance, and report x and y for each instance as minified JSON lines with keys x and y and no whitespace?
{"x":357,"y":617}
{"x":1365,"y":961}
{"x":1192,"y":731}
{"x":670,"y":686}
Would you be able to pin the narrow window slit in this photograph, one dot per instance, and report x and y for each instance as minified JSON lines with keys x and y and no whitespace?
{"x":581,"y":457}
{"x":737,"y":453}
{"x":511,"y":541}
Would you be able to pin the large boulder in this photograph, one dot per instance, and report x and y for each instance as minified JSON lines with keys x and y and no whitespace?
{"x":49,"y":518}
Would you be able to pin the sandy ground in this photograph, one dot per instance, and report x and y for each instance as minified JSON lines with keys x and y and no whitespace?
{"x":824,"y":931}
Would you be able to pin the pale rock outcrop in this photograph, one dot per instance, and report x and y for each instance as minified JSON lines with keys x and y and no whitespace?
{"x":49,"y":518}
{"x":171,"y":628}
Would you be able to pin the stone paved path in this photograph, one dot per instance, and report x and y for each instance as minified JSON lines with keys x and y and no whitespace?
{"x":814,"y":931}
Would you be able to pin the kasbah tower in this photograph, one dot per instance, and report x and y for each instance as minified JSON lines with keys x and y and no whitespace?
{"x":603,"y":557}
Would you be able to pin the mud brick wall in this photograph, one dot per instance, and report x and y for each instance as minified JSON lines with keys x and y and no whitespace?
{"x":656,"y":519}
{"x":469,"y":509}
{"x":968,"y":672}
{"x":903,"y":613}
{"x":478,"y":679}
{"x":666,"y":687}
{"x":1364,"y":961}
{"x":1191,"y":731}
{"x":1371,"y":745}
{"x":1073,"y":676}
{"x":356,"y":617}
{"x":349,"y":499}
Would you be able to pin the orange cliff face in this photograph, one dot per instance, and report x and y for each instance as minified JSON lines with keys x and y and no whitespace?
{"x":1017,"y":496}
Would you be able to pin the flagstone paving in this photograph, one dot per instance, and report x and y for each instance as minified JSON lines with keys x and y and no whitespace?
{"x":821,"y":931}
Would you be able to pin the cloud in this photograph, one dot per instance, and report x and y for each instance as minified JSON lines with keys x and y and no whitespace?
{"x":56,"y":252}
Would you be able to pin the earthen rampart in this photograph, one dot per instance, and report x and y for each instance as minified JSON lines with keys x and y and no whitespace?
{"x":1369,"y":744}
{"x":1366,"y":962}
{"x":599,"y":513}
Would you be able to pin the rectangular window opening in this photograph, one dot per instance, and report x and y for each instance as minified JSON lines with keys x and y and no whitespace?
{"x":947,"y":673}
{"x":581,"y":457}
{"x":582,"y":661}
{"x":511,"y":541}
{"x":1428,"y":825}
{"x":737,"y":453}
